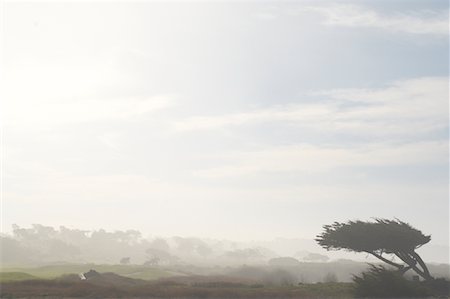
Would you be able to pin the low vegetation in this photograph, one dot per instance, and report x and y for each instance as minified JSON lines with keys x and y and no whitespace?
{"x":15,"y":276}
{"x":246,"y":273}
{"x":380,"y":282}
{"x":166,"y":289}
{"x":377,"y":282}
{"x":54,"y":271}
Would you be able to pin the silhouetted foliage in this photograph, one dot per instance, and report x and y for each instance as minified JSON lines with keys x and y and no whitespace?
{"x":44,"y":244}
{"x":378,"y":238}
{"x":159,"y":257}
{"x":379,"y":282}
{"x":439,"y":287}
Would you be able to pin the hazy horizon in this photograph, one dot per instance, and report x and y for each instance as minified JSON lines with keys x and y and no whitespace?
{"x":225,"y":120}
{"x":74,"y":245}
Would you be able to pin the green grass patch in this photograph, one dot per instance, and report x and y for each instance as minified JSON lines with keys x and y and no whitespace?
{"x":54,"y":271}
{"x":15,"y":276}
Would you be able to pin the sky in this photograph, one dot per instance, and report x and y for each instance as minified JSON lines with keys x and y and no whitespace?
{"x":225,"y":119}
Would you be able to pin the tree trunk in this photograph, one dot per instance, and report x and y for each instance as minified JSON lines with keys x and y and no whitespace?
{"x":423,"y":265}
{"x":410,"y":258}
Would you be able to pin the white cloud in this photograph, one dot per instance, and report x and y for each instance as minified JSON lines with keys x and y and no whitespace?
{"x":278,"y":113}
{"x":401,"y":114}
{"x":405,"y":108}
{"x":307,"y":159}
{"x":356,"y":16}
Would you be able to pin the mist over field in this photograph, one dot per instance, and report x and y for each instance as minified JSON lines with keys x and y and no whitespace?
{"x":224,"y":144}
{"x":43,"y":245}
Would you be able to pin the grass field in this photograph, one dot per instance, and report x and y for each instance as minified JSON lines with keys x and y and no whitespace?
{"x":122,"y":281}
{"x":54,"y":271}
{"x":15,"y":276}
{"x":84,"y":289}
{"x":156,"y":283}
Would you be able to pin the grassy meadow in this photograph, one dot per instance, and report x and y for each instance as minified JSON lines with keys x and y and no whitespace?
{"x":54,"y":271}
{"x":137,"y":281}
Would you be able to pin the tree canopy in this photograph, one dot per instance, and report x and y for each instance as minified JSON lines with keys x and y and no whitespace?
{"x":378,"y":238}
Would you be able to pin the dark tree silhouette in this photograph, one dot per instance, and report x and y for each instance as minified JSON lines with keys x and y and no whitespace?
{"x":379,"y":238}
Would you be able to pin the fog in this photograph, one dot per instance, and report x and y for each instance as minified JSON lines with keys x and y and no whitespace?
{"x":220,"y":137}
{"x":39,"y":245}
{"x":288,"y":260}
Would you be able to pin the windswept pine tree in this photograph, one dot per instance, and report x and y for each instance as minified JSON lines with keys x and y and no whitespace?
{"x":382,"y":238}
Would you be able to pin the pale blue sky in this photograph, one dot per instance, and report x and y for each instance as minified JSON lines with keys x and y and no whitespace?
{"x":233,"y":120}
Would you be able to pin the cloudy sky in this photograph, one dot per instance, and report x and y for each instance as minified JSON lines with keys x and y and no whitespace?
{"x":236,"y":120}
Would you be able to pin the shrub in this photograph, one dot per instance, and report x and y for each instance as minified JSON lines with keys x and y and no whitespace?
{"x":380,"y":282}
{"x":439,"y":287}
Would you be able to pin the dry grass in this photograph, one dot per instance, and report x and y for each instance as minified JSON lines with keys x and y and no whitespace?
{"x":85,"y":289}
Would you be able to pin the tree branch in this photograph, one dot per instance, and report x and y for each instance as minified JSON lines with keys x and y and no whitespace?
{"x":386,"y":260}
{"x":422,"y":264}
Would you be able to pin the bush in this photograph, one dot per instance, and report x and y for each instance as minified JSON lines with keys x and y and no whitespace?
{"x":380,"y":282}
{"x":438,"y":287}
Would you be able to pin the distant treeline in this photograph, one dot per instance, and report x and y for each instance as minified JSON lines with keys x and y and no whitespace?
{"x":44,"y":245}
